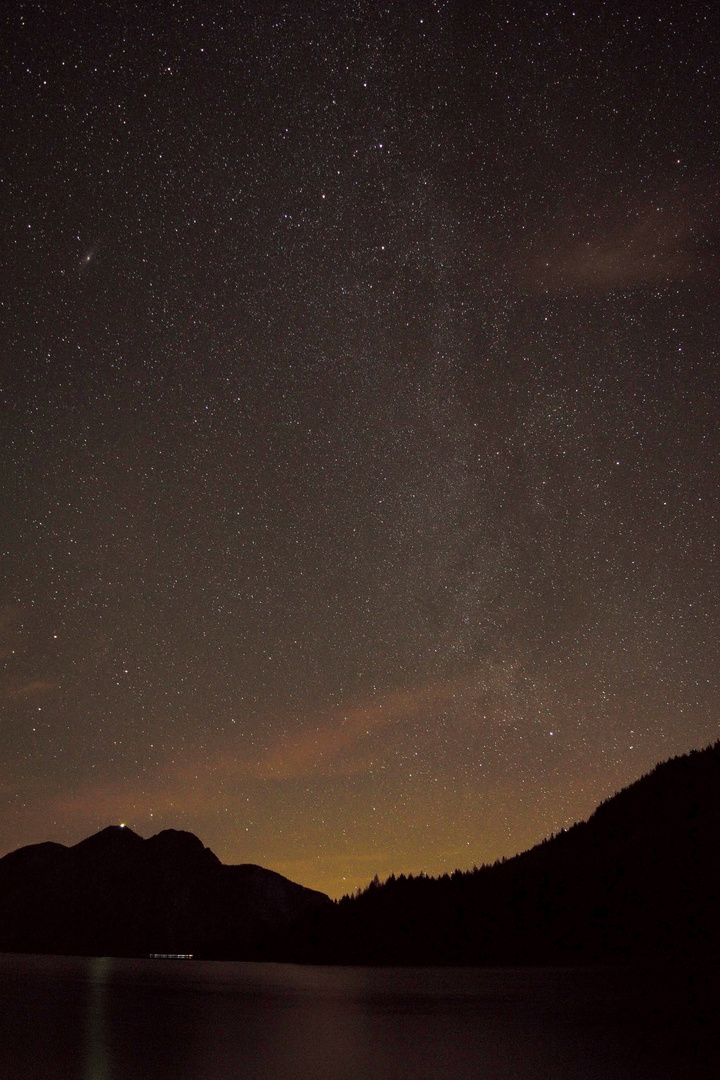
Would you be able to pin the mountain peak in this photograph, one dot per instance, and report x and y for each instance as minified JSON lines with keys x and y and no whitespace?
{"x":177,"y":843}
{"x":113,"y":836}
{"x":117,"y":894}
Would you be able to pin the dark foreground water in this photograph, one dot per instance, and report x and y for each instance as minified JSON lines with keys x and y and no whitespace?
{"x":102,"y":1019}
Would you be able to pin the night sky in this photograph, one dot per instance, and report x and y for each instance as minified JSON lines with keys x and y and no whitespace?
{"x":359,"y":422}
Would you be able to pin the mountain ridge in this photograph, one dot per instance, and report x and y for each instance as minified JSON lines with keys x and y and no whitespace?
{"x":638,"y":880}
{"x":116,"y":893}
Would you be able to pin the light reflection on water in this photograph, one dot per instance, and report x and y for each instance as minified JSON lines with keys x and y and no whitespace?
{"x":96,"y":1035}
{"x":103,"y":1019}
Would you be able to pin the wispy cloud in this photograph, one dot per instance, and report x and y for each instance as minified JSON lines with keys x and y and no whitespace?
{"x":334,"y":744}
{"x":327,"y":745}
{"x":620,"y":246}
{"x":34,"y":688}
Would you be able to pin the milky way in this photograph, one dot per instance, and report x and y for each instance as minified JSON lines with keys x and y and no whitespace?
{"x":359,"y":436}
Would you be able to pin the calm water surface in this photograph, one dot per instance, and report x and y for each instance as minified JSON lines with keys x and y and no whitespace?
{"x":103,"y":1019}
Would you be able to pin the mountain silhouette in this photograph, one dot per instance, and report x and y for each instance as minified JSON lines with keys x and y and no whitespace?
{"x":639,"y":880}
{"x":118,"y":894}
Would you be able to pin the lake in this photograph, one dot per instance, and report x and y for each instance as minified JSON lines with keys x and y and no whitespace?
{"x":103,"y":1019}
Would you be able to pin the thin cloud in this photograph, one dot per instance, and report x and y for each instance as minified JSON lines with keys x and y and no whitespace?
{"x":338,"y":745}
{"x":331,"y":747}
{"x":31,"y":689}
{"x":660,"y":241}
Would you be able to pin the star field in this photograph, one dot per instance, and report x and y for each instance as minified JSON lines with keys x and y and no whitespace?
{"x":359,"y":422}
